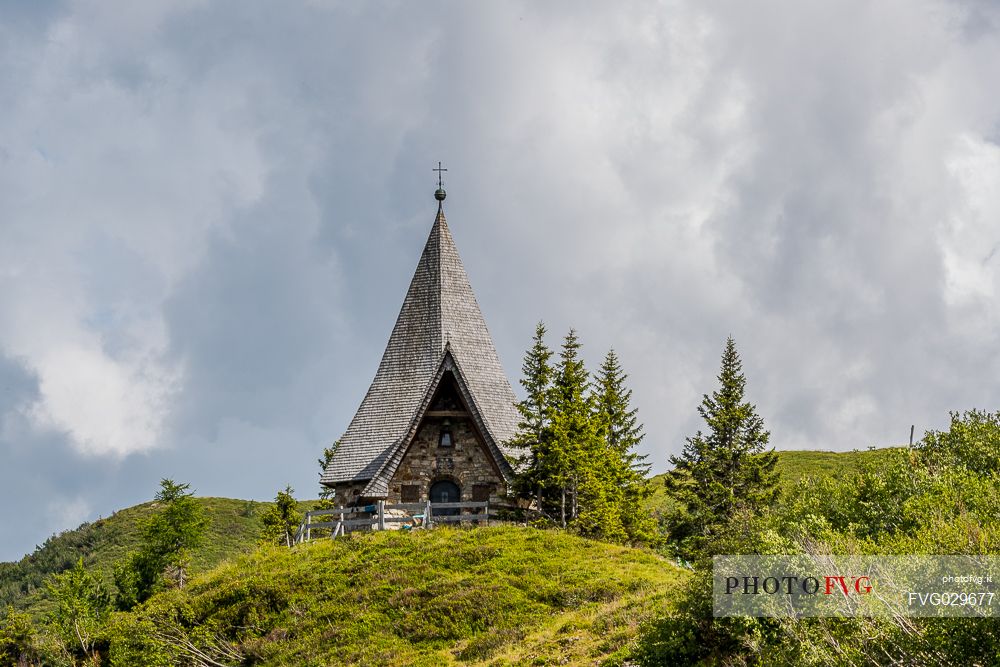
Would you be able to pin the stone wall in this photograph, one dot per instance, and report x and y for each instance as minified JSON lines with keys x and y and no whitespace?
{"x":346,"y":495}
{"x":466,"y":462}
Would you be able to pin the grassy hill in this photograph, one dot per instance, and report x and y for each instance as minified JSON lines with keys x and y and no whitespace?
{"x":793,"y":465}
{"x":235,"y":524}
{"x":233,"y":529}
{"x":497,"y":596}
{"x":486,"y":596}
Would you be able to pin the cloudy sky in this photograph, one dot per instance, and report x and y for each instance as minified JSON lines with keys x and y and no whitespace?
{"x":210,"y":212}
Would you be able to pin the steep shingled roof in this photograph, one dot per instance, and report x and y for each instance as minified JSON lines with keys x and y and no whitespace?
{"x":439,"y":310}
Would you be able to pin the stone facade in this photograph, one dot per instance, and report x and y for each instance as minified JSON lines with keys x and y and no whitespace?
{"x":463,"y":458}
{"x":348,"y":495}
{"x":466,"y":463}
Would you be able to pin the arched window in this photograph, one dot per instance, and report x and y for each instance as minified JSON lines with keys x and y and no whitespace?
{"x":445,"y":439}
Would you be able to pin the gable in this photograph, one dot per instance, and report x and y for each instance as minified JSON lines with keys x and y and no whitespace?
{"x":447,"y":450}
{"x":378,"y":486}
{"x":448,"y":412}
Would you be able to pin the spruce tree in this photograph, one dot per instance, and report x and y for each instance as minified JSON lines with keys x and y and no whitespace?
{"x":577,"y":440}
{"x":728,"y":468}
{"x":177,"y":530}
{"x":618,"y":419}
{"x":533,"y":432}
{"x":168,"y":538}
{"x":573,"y":430}
{"x":17,"y":638}
{"x":579,"y":462}
{"x":327,"y":494}
{"x":282,"y":519}
{"x":621,"y":431}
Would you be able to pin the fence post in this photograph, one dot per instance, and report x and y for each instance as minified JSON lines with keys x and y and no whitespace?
{"x":308,"y":524}
{"x":427,"y":515}
{"x":487,"y":512}
{"x":381,"y":515}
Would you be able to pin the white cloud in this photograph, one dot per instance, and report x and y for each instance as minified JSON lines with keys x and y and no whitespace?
{"x":209,"y":212}
{"x":116,"y":170}
{"x":970,"y":238}
{"x":104,"y":406}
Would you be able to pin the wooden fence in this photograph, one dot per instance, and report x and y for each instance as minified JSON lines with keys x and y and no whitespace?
{"x":406,"y":516}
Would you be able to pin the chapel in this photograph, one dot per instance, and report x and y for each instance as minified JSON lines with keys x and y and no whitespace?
{"x":434,"y":421}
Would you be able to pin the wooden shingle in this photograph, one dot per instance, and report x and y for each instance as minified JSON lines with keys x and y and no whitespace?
{"x":440,"y":318}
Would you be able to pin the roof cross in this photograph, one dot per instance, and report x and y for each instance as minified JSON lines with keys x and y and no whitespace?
{"x":439,"y":170}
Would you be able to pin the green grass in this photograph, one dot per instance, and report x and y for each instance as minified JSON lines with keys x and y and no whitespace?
{"x":233,"y":530}
{"x":793,"y":465}
{"x":492,"y":596}
{"x":487,"y":596}
{"x":799,"y":464}
{"x":234,"y":526}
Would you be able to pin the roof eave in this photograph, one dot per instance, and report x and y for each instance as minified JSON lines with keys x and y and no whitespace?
{"x":378,"y":486}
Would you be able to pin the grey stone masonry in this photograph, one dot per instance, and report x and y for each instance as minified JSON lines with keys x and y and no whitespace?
{"x":467,"y":463}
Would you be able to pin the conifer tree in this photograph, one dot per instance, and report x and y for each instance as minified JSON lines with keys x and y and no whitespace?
{"x":281,"y":521}
{"x":533,"y":433}
{"x":17,"y":638}
{"x":728,"y":468}
{"x":327,"y":495}
{"x":572,"y":428}
{"x":577,"y":439}
{"x":168,"y":537}
{"x":578,"y":462}
{"x":621,"y":431}
{"x":618,"y":419}
{"x":177,"y":530}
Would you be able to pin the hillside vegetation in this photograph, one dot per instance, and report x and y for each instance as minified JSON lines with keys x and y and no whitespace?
{"x":793,"y":466}
{"x":941,"y":496}
{"x":499,"y":596}
{"x":796,"y":465}
{"x":233,"y":529}
{"x":490,"y":596}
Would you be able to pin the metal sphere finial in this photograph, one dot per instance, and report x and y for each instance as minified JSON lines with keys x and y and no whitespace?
{"x":440,"y":194}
